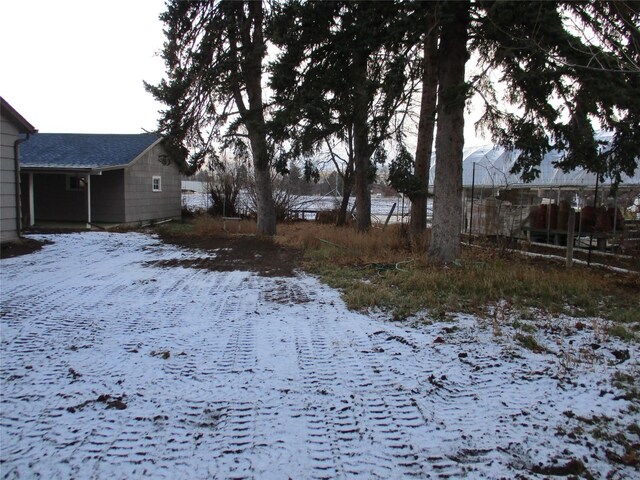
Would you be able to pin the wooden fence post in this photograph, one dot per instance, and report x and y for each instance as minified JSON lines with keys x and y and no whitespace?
{"x":570,"y":231}
{"x":391,"y":213}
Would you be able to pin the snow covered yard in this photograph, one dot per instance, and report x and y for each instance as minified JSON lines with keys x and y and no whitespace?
{"x":117,"y":363}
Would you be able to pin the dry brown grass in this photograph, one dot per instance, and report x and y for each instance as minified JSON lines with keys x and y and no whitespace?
{"x":346,"y":246}
{"x":207,"y":225}
{"x":383,"y":268}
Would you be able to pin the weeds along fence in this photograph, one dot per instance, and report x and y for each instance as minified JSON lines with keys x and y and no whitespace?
{"x":583,"y":222}
{"x":531,"y":215}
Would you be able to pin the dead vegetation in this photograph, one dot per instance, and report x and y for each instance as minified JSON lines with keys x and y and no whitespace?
{"x":384,"y":269}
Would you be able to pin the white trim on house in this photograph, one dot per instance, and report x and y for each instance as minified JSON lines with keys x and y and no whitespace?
{"x":156,"y":187}
{"x":32,"y":203}
{"x":88,"y":180}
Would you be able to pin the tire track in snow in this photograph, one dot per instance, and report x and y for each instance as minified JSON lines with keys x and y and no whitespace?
{"x":335,"y":403}
{"x":337,"y":362}
{"x":230,"y":375}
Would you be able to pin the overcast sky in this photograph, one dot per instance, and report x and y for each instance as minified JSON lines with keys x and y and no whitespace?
{"x":77,"y":66}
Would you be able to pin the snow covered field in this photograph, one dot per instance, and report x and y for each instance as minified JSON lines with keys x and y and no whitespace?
{"x":115,"y":367}
{"x":380,"y":206}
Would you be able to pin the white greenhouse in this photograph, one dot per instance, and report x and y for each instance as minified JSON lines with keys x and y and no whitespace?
{"x":498,"y":203}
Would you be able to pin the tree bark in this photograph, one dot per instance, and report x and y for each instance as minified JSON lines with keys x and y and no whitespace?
{"x":347,"y":182}
{"x":418,"y":219}
{"x":265,"y":206}
{"x":346,"y":177}
{"x":361,"y":146}
{"x":447,"y":209}
{"x":254,"y":119}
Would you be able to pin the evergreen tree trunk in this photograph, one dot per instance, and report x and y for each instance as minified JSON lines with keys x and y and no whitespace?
{"x":347,"y":182}
{"x":362,"y":152}
{"x":253,"y":117}
{"x":447,"y":209}
{"x":265,"y":206}
{"x":418,"y":219}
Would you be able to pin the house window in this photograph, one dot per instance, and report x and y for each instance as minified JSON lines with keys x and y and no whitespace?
{"x":156,"y":184}
{"x":75,"y":183}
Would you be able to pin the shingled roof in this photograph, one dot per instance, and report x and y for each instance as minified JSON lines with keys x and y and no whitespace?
{"x":83,"y":151}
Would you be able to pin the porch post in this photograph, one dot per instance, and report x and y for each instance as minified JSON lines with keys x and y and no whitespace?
{"x":32,"y":206}
{"x":88,"y":177}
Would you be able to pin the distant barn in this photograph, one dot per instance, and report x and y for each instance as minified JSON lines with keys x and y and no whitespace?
{"x":98,"y":178}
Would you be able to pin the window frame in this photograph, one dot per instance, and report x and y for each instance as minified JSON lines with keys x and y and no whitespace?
{"x":153,"y":183}
{"x":81,"y":182}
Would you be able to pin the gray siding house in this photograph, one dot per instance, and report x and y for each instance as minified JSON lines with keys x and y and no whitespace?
{"x":13,"y":128}
{"x":98,"y":178}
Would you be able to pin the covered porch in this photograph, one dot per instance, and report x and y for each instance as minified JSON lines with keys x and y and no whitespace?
{"x":78,"y":197}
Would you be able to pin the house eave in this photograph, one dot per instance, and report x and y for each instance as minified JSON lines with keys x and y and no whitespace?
{"x":145,"y":151}
{"x":64,"y":170}
{"x":18,"y":120}
{"x":114,"y":167}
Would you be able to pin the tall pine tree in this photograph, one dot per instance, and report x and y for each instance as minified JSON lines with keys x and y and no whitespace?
{"x":452,"y":94}
{"x":562,"y":84}
{"x":341,"y":71}
{"x":565,"y":85}
{"x":213,"y":56}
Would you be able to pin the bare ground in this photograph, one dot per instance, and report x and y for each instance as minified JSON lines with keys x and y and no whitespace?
{"x":23,"y":246}
{"x":236,"y":252}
